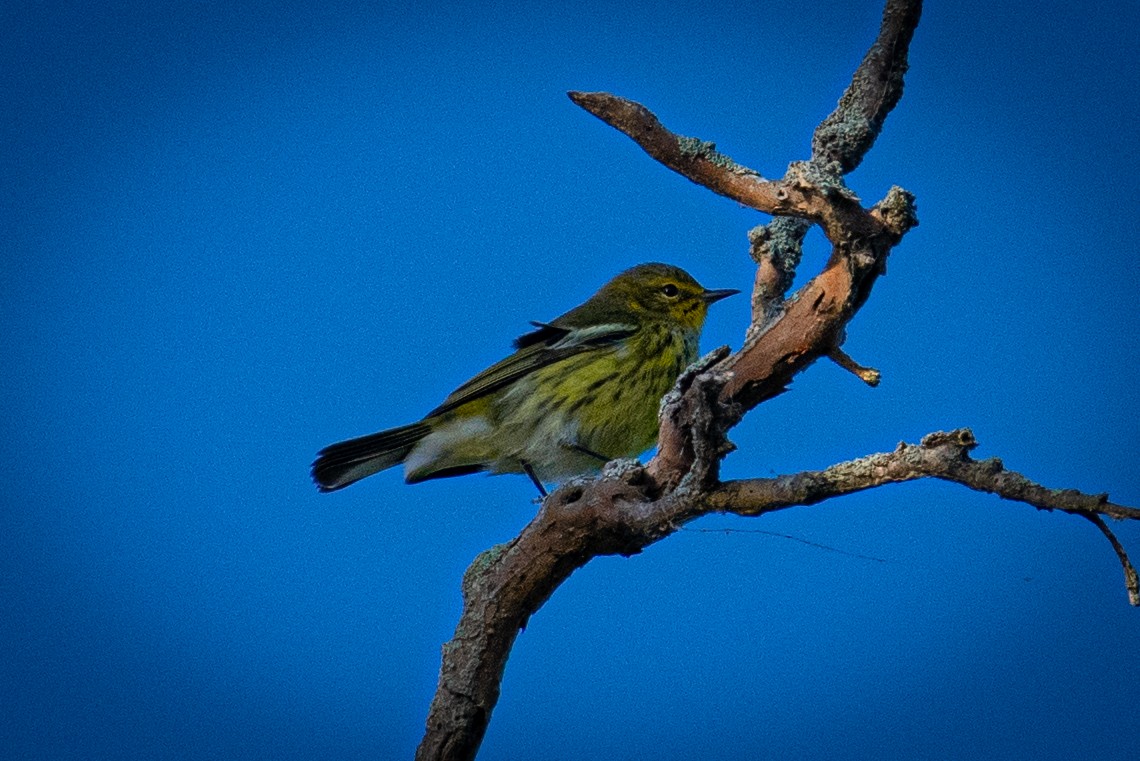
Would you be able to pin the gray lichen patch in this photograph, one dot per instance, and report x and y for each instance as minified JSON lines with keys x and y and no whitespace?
{"x":483,"y":562}
{"x":691,"y":147}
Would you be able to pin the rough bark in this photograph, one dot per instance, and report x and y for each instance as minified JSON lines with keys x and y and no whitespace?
{"x":631,"y":506}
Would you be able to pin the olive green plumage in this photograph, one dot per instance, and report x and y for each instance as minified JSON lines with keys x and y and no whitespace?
{"x":579,"y":390}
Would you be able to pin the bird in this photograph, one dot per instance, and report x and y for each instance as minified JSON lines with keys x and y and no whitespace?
{"x":578,"y":391}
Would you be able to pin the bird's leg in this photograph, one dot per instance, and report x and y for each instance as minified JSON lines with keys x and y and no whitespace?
{"x":533,"y":477}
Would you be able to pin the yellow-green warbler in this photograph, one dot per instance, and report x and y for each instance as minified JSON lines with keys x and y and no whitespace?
{"x":578,"y":391}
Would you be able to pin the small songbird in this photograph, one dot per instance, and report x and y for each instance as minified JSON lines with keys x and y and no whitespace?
{"x":579,"y":391}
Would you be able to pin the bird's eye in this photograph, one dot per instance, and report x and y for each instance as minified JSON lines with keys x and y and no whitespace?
{"x":670,"y":290}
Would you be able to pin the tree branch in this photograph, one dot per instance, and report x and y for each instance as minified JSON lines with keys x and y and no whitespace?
{"x":618,"y":515}
{"x":1131,"y":581}
{"x":846,"y":135}
{"x":945,"y":456}
{"x":630,"y":506}
{"x":805,"y":191}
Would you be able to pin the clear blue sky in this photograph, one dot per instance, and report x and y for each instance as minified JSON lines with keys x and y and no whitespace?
{"x":232,"y":233}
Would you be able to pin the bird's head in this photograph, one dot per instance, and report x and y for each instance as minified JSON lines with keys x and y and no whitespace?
{"x":660,"y":293}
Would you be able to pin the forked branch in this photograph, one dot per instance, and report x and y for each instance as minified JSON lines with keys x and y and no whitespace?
{"x":630,"y":506}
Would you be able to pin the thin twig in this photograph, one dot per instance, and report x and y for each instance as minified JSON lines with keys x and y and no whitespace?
{"x":868,"y":375}
{"x":1131,"y":582}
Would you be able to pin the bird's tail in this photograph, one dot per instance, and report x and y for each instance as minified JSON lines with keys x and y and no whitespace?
{"x":346,"y":462}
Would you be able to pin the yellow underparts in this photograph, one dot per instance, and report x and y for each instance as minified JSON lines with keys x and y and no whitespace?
{"x":603,"y":401}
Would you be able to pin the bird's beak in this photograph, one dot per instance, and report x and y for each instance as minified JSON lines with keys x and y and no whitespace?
{"x":711,"y":296}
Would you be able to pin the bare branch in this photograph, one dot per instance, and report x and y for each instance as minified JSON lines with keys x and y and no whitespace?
{"x":630,"y":506}
{"x":844,"y":137}
{"x":619,"y":515}
{"x":806,"y":191}
{"x":868,"y":375}
{"x":940,"y":455}
{"x":945,"y":456}
{"x":627,"y":510}
{"x":777,"y":248}
{"x":692,"y":157}
{"x":1131,"y":581}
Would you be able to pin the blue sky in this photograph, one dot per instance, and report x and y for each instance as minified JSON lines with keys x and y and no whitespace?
{"x":236,"y":232}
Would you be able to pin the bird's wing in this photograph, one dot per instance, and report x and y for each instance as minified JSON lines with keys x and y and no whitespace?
{"x":539,"y":348}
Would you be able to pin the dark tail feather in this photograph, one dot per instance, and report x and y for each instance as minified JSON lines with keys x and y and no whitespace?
{"x":346,"y":462}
